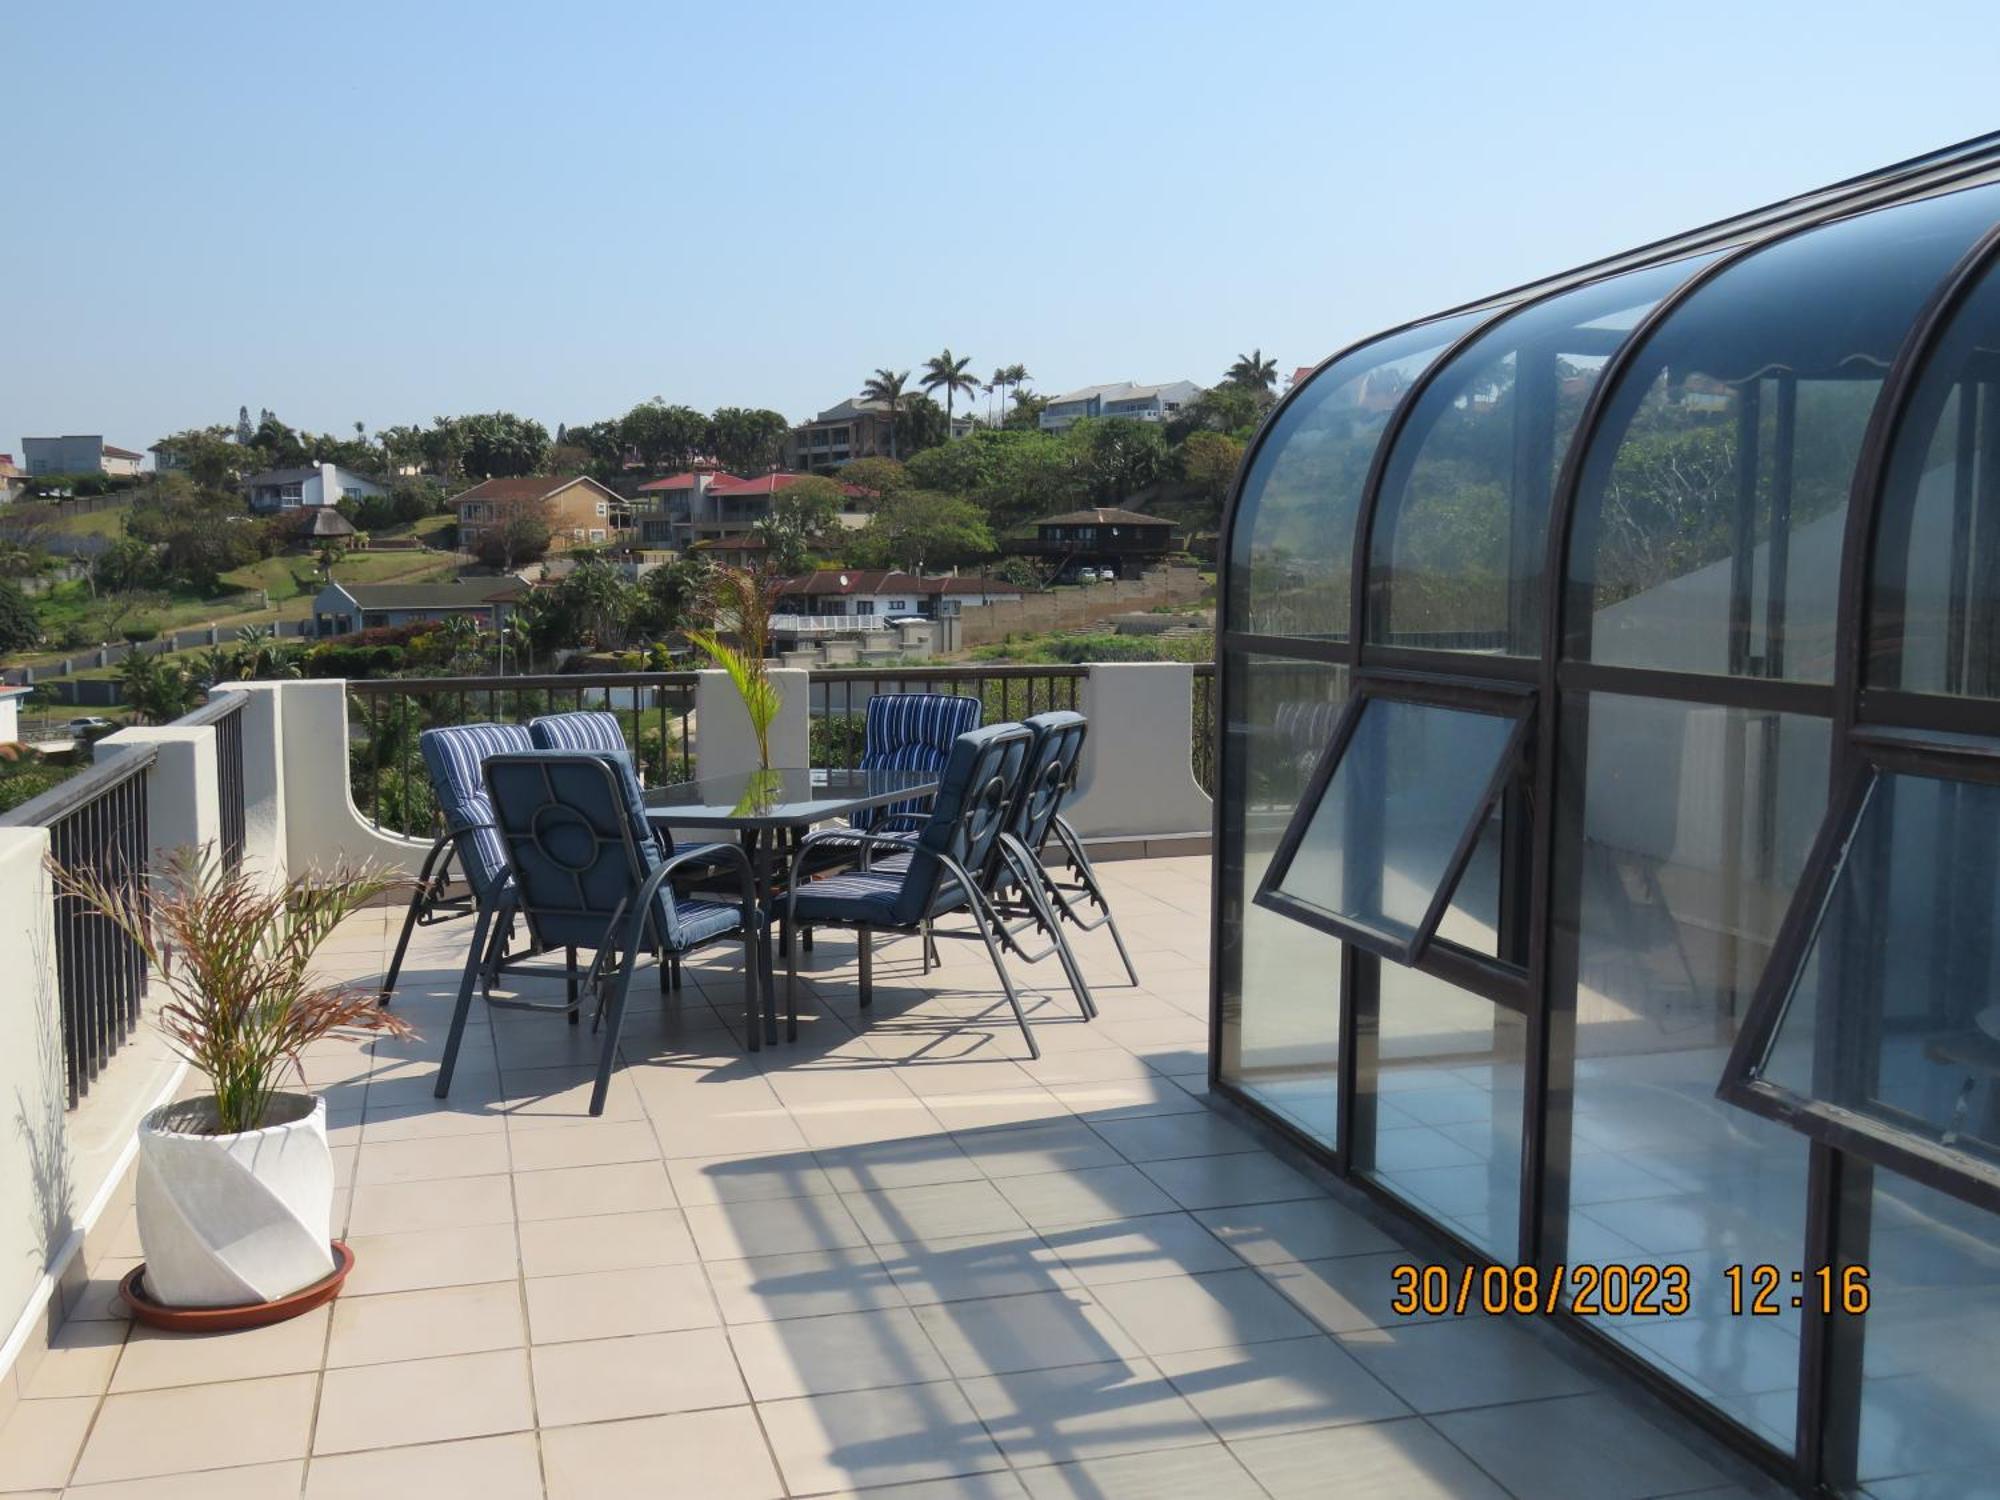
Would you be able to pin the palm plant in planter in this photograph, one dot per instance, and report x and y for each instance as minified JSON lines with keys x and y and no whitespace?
{"x":235,"y":1187}
{"x":743,"y":603}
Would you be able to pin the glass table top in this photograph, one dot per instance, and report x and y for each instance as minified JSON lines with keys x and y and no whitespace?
{"x":782,"y":797}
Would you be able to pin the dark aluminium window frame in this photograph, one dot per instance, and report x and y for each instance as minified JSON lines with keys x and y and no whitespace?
{"x":1456,"y":695}
{"x":1839,"y":1179}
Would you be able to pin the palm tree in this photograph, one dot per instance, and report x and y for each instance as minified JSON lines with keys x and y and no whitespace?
{"x":952,"y":375}
{"x":1254,"y":370}
{"x":886,"y":386}
{"x":998,"y":383}
{"x":1015,"y":375}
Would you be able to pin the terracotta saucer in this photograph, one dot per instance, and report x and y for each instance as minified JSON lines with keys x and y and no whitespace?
{"x":132,"y":1290}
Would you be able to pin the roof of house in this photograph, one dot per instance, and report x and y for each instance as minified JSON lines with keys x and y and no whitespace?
{"x":464,"y":594}
{"x":528,"y":487}
{"x":684,"y":481}
{"x":852,"y":407}
{"x":299,"y":475}
{"x":1103,"y":515}
{"x":770,"y":484}
{"x":844,"y":581}
{"x":1121,"y":390}
{"x":112,"y":452}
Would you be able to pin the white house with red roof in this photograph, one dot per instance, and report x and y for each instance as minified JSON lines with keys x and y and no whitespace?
{"x":720,"y":508}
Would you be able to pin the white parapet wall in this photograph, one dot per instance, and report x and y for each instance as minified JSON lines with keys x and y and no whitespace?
{"x":183,"y":804}
{"x":264,"y":848}
{"x":723,"y":738}
{"x":39,"y":1197}
{"x":323,"y":827}
{"x":1137,"y":778}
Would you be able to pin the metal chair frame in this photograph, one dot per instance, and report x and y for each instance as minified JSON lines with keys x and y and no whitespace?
{"x":607,"y":986}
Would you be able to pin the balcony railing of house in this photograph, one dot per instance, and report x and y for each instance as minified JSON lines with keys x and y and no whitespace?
{"x":656,"y":710}
{"x":225,"y":712}
{"x":98,"y":826}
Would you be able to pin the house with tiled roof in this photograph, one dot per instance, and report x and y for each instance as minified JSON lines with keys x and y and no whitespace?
{"x":865,"y":595}
{"x":855,"y":428}
{"x":78,"y":453}
{"x":1122,"y":398}
{"x":579,"y":511}
{"x":309,"y":487}
{"x":341,"y":608}
{"x":1104,"y":537}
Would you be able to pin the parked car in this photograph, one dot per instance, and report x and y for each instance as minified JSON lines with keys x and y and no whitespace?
{"x":84,"y":725}
{"x":1086,"y":575}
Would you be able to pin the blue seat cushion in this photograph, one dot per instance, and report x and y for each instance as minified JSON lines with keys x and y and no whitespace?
{"x":701,"y":920}
{"x":865,"y":896}
{"x":588,"y":729}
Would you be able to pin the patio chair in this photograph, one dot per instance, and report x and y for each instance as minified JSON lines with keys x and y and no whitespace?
{"x":910,"y":732}
{"x":1049,"y":779}
{"x":586,"y":873}
{"x":936,"y":876}
{"x":595,"y":729}
{"x":452,"y":758}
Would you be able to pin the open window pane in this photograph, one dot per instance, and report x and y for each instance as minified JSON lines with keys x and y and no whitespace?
{"x":1372,"y":856}
{"x":1895,"y":1011}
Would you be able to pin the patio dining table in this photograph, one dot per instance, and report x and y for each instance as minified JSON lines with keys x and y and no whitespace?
{"x":770,"y":811}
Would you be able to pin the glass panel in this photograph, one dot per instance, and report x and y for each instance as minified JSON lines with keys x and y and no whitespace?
{"x":1448,"y":1107}
{"x":1895,"y":1013}
{"x":1930,"y":1410}
{"x":1280,"y":981}
{"x":1472,"y":920}
{"x":1459,"y":540}
{"x":1710,"y":522}
{"x":1292,"y":540}
{"x":1378,"y":843}
{"x":1935,"y":618}
{"x":1696,"y":824}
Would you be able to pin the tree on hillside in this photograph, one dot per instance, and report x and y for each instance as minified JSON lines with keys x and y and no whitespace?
{"x":666,"y":436}
{"x":599,"y":601}
{"x":878,"y":476}
{"x":886,"y":386}
{"x":952,"y":376}
{"x":804,"y":518}
{"x":20,"y":630}
{"x":921,"y":424}
{"x":676,"y":595}
{"x":1119,"y":456}
{"x":244,"y":431}
{"x":1253,"y":370}
{"x":919,"y":529}
{"x":748,"y":440}
{"x":518,"y":533}
{"x":1026,"y":412}
{"x":1231,"y":408}
{"x":210,"y":455}
{"x":1208,"y":462}
{"x":602,"y":443}
{"x":501,"y":445}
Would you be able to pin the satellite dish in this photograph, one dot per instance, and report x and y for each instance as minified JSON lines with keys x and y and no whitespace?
{"x":843,"y":580}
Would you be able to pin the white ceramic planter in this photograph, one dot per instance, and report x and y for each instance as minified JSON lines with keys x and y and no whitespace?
{"x":226,"y":1220}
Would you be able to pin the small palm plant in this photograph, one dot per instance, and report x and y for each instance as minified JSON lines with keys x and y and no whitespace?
{"x":743,"y":602}
{"x":236,"y":958}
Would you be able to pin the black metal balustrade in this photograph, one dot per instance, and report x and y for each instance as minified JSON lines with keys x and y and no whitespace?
{"x":97,"y":824}
{"x":225,"y":712}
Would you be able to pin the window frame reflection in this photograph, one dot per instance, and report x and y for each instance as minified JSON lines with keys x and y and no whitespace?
{"x":1879,"y":753}
{"x":1496,"y":699}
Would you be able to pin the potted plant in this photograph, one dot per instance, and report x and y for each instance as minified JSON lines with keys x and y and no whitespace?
{"x":743,"y":603}
{"x":235,"y":1186}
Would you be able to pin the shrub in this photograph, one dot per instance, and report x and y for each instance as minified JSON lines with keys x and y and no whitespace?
{"x":139,"y":634}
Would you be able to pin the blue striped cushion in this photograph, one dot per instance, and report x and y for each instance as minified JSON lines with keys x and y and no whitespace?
{"x":864,"y":896}
{"x":911,"y":732}
{"x":453,"y":757}
{"x":590,"y":729}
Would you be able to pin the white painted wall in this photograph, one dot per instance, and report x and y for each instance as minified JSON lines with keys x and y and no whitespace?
{"x":35,"y":1173}
{"x":322,"y":826}
{"x":1137,"y":776}
{"x":723,"y":740}
{"x":264,"y":839}
{"x":183,"y":805}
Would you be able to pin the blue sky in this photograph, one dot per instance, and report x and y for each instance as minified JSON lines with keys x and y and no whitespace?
{"x":382,"y":212}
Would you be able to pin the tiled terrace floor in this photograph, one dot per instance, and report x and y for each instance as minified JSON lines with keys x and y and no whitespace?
{"x":891,"y":1255}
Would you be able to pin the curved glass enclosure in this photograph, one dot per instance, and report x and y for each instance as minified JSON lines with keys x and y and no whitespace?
{"x":1648,"y":921}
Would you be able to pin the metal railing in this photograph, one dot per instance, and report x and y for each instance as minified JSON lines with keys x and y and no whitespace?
{"x":97,"y":825}
{"x":386,"y":771}
{"x":655,"y":709}
{"x":225,"y":712}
